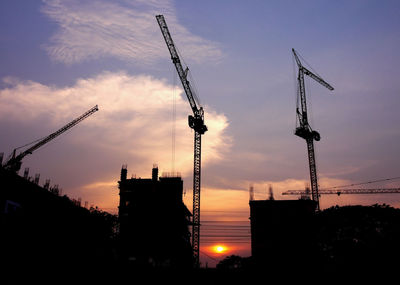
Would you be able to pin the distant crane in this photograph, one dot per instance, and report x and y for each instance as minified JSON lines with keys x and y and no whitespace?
{"x":345,"y":191}
{"x":196,"y":122}
{"x":304,"y":130}
{"x":15,"y":161}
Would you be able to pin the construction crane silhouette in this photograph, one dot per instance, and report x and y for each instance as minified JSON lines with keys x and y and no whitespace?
{"x":196,"y":122}
{"x":304,"y":130}
{"x":345,"y":191}
{"x":15,"y":161}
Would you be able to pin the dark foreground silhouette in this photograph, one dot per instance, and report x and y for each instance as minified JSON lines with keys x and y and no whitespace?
{"x":46,"y":238}
{"x":357,"y":241}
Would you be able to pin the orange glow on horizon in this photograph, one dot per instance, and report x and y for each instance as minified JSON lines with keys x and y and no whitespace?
{"x":219,"y":248}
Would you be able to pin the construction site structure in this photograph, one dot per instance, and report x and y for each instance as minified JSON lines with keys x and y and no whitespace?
{"x":26,"y":172}
{"x":275,"y":224}
{"x":51,"y":228}
{"x":154,"y":221}
{"x":15,"y":161}
{"x":305,"y":193}
{"x":304,"y":129}
{"x":196,"y":122}
{"x":251,"y":193}
{"x":270,"y":193}
{"x":37,"y":178}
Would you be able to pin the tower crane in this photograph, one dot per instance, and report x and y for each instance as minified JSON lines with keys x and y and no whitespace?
{"x":15,"y":161}
{"x":345,"y":191}
{"x":196,"y":122}
{"x":304,"y":130}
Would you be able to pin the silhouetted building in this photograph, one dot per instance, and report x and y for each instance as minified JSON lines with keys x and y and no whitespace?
{"x":41,"y":229}
{"x":281,"y":231}
{"x":154,"y":221}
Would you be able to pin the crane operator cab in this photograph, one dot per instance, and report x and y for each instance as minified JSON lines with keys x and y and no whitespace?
{"x":197,"y":123}
{"x":306,"y":133}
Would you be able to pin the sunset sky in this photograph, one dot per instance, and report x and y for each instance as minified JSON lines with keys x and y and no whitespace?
{"x":60,"y":58}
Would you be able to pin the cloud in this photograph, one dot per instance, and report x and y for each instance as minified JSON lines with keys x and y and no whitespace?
{"x":126,"y":30}
{"x":133,"y":126}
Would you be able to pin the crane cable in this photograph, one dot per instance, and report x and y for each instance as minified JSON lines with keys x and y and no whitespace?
{"x":30,"y":143}
{"x":173,"y":141}
{"x":192,"y":82}
{"x":309,"y":103}
{"x":308,"y":65}
{"x":25,"y":145}
{"x":296,"y":89}
{"x":363,"y":183}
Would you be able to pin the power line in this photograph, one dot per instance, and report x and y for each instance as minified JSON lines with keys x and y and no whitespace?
{"x":202,"y":252}
{"x":227,"y":242}
{"x":222,"y":222}
{"x":226,"y":235}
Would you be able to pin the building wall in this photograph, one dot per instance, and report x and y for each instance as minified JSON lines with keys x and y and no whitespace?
{"x":40,"y":229}
{"x":281,"y":230}
{"x":154,"y":222}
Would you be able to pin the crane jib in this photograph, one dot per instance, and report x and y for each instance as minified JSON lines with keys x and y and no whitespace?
{"x":14,"y":163}
{"x":176,"y":61}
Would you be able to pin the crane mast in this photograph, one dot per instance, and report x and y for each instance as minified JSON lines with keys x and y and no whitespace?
{"x":196,"y":122}
{"x":304,"y":130}
{"x":14,"y":163}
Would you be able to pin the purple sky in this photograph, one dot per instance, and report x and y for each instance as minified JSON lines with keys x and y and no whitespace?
{"x":59,"y":58}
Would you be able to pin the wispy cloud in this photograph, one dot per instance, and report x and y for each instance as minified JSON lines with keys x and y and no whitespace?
{"x":133,"y":126}
{"x":126,"y":30}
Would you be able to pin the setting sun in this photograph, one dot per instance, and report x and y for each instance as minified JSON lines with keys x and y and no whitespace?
{"x":219,"y":248}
